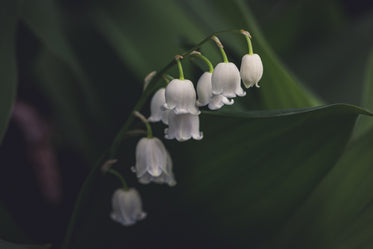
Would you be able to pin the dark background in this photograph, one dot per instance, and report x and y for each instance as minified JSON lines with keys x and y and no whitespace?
{"x":324,"y":43}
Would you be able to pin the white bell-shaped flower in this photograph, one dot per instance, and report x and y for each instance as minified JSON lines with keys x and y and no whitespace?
{"x":127,"y":207}
{"x":226,"y":80}
{"x":157,"y":112}
{"x":205,"y":96}
{"x":166,"y":177}
{"x":251,"y":70}
{"x":183,"y":127}
{"x":153,"y":162}
{"x":181,"y":97}
{"x":204,"y":89}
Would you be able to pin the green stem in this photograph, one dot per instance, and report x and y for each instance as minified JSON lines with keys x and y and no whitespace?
{"x":149,"y":130}
{"x":181,"y":73}
{"x":249,"y":44}
{"x":120,"y":177}
{"x":208,"y":62}
{"x":225,"y":58}
{"x":221,"y":48}
{"x":146,"y":122}
{"x":167,"y":78}
{"x":114,"y":148}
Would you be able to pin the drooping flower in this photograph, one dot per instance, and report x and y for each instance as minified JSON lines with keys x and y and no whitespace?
{"x":204,"y":90}
{"x":166,"y":177}
{"x":157,"y":111}
{"x":183,"y":127}
{"x":251,"y":70}
{"x":205,"y":96}
{"x":153,"y":162}
{"x":127,"y":207}
{"x":181,"y":97}
{"x":226,"y":80}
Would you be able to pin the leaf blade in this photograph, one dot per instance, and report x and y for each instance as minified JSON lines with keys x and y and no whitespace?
{"x":365,"y":124}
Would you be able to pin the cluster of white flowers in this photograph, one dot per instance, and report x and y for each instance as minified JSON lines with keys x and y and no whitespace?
{"x":177,"y":106}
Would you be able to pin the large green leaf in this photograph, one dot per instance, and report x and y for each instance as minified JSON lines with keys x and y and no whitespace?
{"x":8,"y":67}
{"x":239,"y":185}
{"x":252,"y":188}
{"x":339,"y":213}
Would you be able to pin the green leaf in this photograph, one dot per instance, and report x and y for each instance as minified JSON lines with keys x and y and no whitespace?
{"x":253,"y":170}
{"x":8,"y":67}
{"x":365,"y":124}
{"x":241,"y":183}
{"x":339,"y":213}
{"x":334,"y":64}
{"x":153,"y":41}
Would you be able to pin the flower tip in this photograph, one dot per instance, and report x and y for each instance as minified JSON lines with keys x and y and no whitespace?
{"x":107,"y":165}
{"x":244,"y":32}
{"x":217,"y":41}
{"x":172,"y":183}
{"x":195,"y":52}
{"x":149,"y":78}
{"x":178,"y":57}
{"x":199,"y":137}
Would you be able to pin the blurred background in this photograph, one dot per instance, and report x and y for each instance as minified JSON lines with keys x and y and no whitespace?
{"x":80,"y":69}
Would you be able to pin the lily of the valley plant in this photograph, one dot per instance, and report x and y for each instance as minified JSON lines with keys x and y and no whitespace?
{"x":176,"y":103}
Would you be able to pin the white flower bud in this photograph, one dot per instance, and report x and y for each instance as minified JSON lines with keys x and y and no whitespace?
{"x":127,"y":207}
{"x":153,"y":162}
{"x":181,"y":97}
{"x":156,"y":107}
{"x":205,"y":96}
{"x":183,"y":127}
{"x":251,"y":70}
{"x":226,"y":80}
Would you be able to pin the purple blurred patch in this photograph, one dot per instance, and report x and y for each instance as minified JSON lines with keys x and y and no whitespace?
{"x":41,"y":154}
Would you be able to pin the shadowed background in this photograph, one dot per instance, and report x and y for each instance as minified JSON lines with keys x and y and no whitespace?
{"x":80,"y":68}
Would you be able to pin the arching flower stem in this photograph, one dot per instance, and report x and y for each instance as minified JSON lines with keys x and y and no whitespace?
{"x":146,"y":122}
{"x":248,"y":39}
{"x":178,"y":59}
{"x":204,"y":58}
{"x":119,"y":176}
{"x":221,"y":48}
